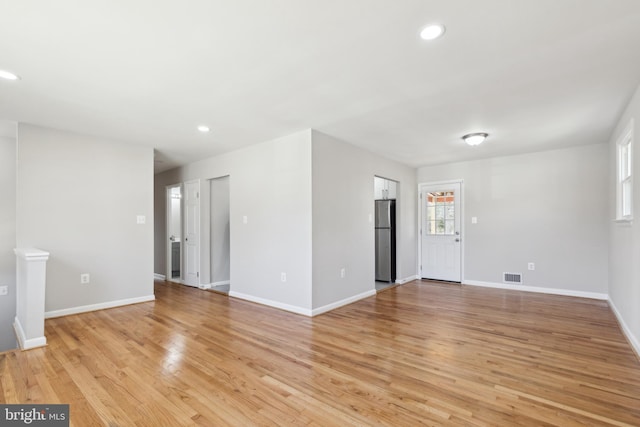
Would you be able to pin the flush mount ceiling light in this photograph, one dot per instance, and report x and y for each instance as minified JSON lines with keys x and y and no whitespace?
{"x":475,"y":138}
{"x":8,"y":75}
{"x":432,"y":31}
{"x":203,"y":129}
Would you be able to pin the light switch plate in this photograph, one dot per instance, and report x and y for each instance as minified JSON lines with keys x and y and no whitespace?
{"x":141,"y":219}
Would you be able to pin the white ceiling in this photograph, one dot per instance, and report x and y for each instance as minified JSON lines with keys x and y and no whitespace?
{"x":535,"y":74}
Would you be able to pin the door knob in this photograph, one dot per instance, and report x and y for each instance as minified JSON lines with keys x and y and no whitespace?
{"x":172,"y":238}
{"x":457,"y":240}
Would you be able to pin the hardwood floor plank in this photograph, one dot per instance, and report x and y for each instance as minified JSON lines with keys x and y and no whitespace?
{"x":565,"y":407}
{"x":419,"y":354}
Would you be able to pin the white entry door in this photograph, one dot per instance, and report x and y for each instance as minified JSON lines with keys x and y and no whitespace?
{"x":441,"y":232}
{"x":192,"y":233}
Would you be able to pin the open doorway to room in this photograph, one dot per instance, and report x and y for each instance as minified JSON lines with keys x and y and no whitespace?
{"x":386,"y":193}
{"x":174,"y":233}
{"x":220,"y":238}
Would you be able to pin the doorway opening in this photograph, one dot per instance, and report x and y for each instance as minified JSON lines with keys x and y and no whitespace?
{"x":174,"y":233}
{"x":385,"y":195}
{"x":220,"y":235}
{"x":441,"y":231}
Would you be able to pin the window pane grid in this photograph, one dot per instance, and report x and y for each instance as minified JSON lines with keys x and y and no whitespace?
{"x":440,"y":213}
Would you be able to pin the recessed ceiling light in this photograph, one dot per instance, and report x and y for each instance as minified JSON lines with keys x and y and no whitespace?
{"x":432,"y":31}
{"x":203,"y":129}
{"x":475,"y":138}
{"x":8,"y":75}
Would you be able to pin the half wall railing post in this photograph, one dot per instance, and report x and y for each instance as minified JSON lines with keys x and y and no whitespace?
{"x":31,"y":269}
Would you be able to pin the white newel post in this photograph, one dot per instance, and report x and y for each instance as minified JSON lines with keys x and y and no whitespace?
{"x":31,"y":279}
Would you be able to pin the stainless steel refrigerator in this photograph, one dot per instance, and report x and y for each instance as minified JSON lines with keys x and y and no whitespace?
{"x":386,"y":240}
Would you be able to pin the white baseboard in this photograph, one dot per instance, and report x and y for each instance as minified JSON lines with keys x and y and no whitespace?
{"x":407,"y":280}
{"x":553,"y":291}
{"x":635,"y":343}
{"x":214,"y":284}
{"x":23,"y":342}
{"x":99,"y":306}
{"x":271,"y":303}
{"x":300,"y":310}
{"x":157,"y":276}
{"x":334,"y":305}
{"x":224,"y":282}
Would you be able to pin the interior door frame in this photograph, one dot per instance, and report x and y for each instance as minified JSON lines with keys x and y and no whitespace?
{"x":167,"y":228}
{"x":421,"y":187}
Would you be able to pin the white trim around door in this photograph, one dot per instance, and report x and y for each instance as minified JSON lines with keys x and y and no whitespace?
{"x":453,"y":232}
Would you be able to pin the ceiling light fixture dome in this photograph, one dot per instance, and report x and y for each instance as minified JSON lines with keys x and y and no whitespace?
{"x":7,"y":75}
{"x":203,"y":128}
{"x":475,"y":138}
{"x":432,"y":31}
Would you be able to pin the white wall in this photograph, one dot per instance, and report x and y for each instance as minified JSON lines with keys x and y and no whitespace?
{"x":624,"y":244}
{"x":343,"y":236}
{"x":220,"y":231}
{"x":270,"y":184}
{"x":7,"y":241}
{"x":301,"y":192}
{"x":548,"y":208}
{"x":78,"y":198}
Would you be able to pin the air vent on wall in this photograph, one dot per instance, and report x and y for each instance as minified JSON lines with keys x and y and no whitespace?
{"x":512,"y":277}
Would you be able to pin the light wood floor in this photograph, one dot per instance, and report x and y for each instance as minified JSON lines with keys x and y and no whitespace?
{"x":422,"y":353}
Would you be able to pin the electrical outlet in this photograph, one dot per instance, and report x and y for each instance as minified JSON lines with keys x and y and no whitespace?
{"x":532,"y":266}
{"x":283,"y":277}
{"x":85,"y":278}
{"x":4,"y":290}
{"x":343,"y":272}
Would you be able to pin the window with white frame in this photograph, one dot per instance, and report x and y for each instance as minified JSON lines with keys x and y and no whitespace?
{"x":624,"y":183}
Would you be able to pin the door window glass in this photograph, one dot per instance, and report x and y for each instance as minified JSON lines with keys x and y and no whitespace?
{"x":441,"y":213}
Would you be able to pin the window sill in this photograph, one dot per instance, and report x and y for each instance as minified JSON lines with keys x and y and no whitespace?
{"x":624,"y":221}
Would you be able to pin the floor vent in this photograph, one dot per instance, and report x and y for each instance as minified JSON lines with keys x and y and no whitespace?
{"x":512,"y":278}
